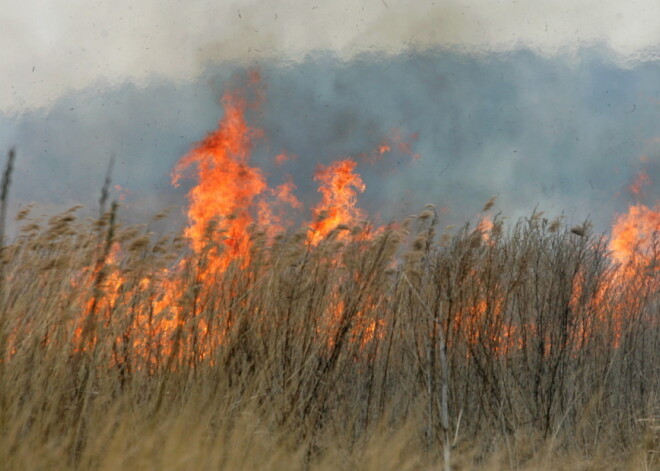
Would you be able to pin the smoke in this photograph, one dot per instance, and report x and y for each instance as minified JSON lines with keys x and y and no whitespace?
{"x":565,"y":133}
{"x":55,"y":47}
{"x":541,"y":103}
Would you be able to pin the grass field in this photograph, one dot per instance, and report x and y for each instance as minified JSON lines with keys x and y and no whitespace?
{"x":525,"y":346}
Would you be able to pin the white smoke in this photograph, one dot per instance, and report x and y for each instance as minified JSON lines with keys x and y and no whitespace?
{"x":52,"y":47}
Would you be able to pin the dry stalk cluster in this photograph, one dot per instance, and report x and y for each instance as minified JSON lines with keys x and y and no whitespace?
{"x":373,"y":349}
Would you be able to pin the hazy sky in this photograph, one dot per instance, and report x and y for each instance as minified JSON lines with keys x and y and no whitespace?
{"x":548,"y":103}
{"x":50,"y":47}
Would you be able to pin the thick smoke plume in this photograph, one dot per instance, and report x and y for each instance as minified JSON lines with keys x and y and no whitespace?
{"x":564,"y":135}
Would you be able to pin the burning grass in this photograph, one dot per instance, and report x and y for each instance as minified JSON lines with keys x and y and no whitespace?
{"x":122,"y":350}
{"x":240,"y":344}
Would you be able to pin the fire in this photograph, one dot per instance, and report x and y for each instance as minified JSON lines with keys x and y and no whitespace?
{"x":231,"y":197}
{"x":640,"y":182}
{"x":106,"y":283}
{"x":235,"y":195}
{"x":339,"y":188}
{"x":227,"y":186}
{"x":273,"y":210}
{"x":283,"y":157}
{"x":485,"y":226}
{"x":398,"y":140}
{"x":634,"y":246}
{"x":635,"y":233}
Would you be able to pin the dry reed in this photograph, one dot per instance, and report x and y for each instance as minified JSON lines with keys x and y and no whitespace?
{"x":376,"y":350}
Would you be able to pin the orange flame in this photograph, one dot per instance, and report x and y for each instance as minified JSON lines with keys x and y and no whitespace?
{"x":635,"y":232}
{"x":283,"y":157}
{"x":640,"y":182}
{"x":401,"y":142}
{"x":272,"y":211}
{"x":339,"y":188}
{"x":485,"y":225}
{"x":228,"y":186}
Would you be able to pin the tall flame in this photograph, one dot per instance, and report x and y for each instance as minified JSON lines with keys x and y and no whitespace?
{"x":228,"y":187}
{"x":236,"y":195}
{"x":635,"y":232}
{"x":339,"y":188}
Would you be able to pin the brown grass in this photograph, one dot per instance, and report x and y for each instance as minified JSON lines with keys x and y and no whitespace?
{"x":327,"y":357}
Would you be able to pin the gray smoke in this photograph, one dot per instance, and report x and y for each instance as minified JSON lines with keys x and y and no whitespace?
{"x":565,"y":133}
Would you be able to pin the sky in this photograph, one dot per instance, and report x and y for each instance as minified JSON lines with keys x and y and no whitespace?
{"x":548,"y":104}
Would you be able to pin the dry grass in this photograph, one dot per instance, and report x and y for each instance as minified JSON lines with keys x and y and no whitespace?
{"x":122,"y":350}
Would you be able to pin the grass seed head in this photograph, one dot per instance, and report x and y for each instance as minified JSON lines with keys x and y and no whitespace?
{"x":489,"y":204}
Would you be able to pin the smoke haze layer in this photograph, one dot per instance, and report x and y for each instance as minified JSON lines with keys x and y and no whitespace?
{"x":55,"y":47}
{"x":564,"y":133}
